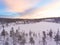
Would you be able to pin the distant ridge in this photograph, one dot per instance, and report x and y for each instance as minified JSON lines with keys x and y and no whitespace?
{"x":55,"y":19}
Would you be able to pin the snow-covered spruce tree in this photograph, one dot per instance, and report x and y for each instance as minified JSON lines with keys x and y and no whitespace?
{"x":39,"y":38}
{"x":12,"y":32}
{"x":6,"y":42}
{"x":57,"y":38}
{"x":26,"y":34}
{"x":22,"y":38}
{"x":44,"y":38}
{"x":12,"y":35}
{"x":23,"y":41}
{"x":50,"y":34}
{"x":44,"y":34}
{"x":30,"y":33}
{"x":34,"y":35}
{"x":17,"y":34}
{"x":3,"y":34}
{"x":32,"y":41}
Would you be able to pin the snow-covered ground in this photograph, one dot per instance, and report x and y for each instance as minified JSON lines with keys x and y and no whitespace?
{"x":34,"y":27}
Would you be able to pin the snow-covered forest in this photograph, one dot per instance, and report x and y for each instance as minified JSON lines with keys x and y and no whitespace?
{"x":40,"y":33}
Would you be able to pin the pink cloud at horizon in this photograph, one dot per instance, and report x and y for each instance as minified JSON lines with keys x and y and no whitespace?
{"x":49,"y":10}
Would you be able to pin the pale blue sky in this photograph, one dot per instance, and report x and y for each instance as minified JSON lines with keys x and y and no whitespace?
{"x":4,"y":12}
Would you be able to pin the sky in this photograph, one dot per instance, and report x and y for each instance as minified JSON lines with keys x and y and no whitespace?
{"x":29,"y":8}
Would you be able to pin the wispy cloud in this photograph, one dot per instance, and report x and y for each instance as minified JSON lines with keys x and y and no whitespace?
{"x":49,"y":10}
{"x":30,"y":8}
{"x":21,"y":5}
